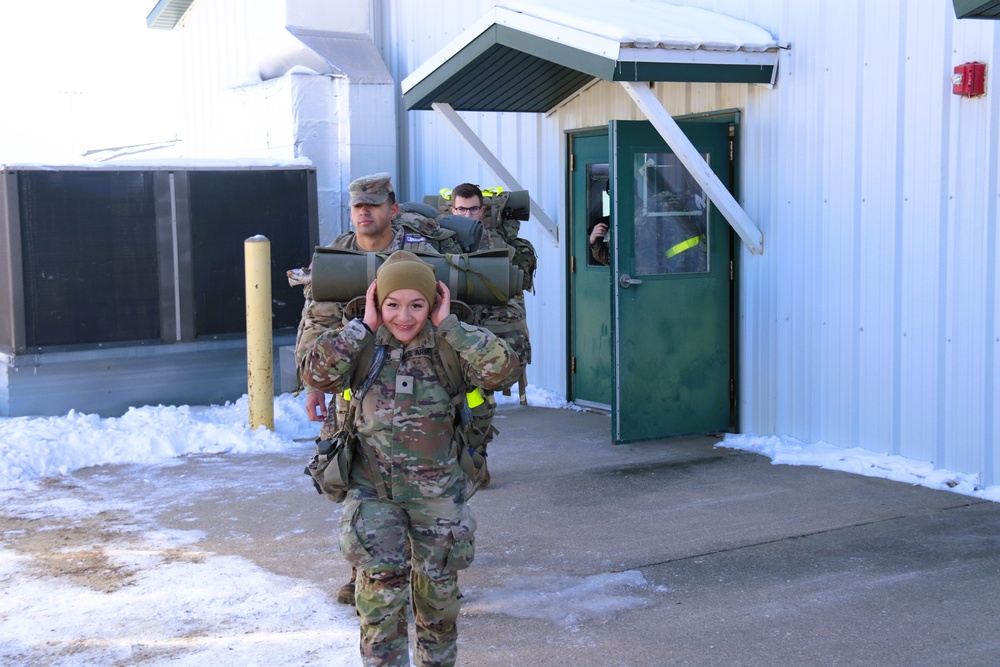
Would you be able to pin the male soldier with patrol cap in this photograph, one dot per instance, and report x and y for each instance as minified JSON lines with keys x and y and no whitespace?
{"x":374,"y":211}
{"x":378,"y":227}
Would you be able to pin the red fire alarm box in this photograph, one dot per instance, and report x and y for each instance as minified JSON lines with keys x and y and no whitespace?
{"x":969,"y":79}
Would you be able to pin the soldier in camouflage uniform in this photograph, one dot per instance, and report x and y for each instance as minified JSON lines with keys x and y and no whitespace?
{"x":406,"y":483}
{"x":467,"y":199}
{"x":508,"y":320}
{"x":378,"y":227}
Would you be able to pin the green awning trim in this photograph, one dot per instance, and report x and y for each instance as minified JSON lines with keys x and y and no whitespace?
{"x":977,"y":9}
{"x":505,"y":69}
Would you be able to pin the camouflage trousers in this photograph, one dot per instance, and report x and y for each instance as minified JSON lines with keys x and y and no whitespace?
{"x":373,"y":537}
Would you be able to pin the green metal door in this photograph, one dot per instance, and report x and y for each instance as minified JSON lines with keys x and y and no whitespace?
{"x":590,"y":281}
{"x":670,"y":293}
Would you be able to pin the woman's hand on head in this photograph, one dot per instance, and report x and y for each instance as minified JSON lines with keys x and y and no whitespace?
{"x":442,"y":305}
{"x":373,"y":318}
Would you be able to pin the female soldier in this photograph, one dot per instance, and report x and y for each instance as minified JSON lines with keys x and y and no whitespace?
{"x":406,"y":482}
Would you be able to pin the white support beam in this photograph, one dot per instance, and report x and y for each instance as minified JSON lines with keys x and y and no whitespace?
{"x":695,"y":164}
{"x":493,"y":164}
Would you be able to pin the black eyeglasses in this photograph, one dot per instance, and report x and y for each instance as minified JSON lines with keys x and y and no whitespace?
{"x":474,"y":210}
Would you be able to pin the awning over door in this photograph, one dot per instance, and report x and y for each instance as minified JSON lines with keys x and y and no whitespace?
{"x":531,"y":55}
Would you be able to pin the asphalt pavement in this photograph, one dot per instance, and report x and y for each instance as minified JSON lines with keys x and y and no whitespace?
{"x":676,"y":552}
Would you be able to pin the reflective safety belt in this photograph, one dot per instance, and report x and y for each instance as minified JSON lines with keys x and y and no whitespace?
{"x":685,"y":245}
{"x":474,"y":397}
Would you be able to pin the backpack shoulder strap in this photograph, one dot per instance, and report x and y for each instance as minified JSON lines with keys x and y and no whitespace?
{"x":361,"y":367}
{"x":471,"y":452}
{"x":366,"y":370}
{"x":448,"y":366}
{"x":451,"y":368}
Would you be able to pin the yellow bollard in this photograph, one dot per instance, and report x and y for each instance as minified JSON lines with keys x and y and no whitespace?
{"x":260,"y":354}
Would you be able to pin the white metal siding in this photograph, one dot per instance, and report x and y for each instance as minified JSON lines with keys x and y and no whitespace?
{"x":216,"y":39}
{"x":871,"y":318}
{"x":433,"y":157}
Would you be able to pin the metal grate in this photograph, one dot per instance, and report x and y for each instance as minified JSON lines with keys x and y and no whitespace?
{"x":88,"y":249}
{"x":167,"y":14}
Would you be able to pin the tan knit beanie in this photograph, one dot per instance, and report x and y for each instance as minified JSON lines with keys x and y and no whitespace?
{"x":404,"y":270}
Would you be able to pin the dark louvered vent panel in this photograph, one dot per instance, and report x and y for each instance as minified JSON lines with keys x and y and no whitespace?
{"x":227,"y":207}
{"x":88,"y":246}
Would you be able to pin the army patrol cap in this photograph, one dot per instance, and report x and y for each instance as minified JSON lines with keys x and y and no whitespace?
{"x":404,"y":270}
{"x":373,"y":189}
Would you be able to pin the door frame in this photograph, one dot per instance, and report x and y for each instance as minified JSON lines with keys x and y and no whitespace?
{"x":571,"y":136}
{"x":733,"y":117}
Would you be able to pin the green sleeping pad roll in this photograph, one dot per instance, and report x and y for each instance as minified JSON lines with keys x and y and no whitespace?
{"x":481,"y":278}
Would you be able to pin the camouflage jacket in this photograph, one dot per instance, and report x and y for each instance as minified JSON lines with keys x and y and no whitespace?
{"x":411,"y":433}
{"x":411,"y":232}
{"x":600,"y":251}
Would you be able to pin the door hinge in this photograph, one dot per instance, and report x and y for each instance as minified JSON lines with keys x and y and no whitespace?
{"x":572,"y":264}
{"x":730,"y":270}
{"x":572,"y":162}
{"x":732,"y":389}
{"x":572,"y":365}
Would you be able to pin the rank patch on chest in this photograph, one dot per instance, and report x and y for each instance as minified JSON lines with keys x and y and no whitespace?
{"x":404,"y":384}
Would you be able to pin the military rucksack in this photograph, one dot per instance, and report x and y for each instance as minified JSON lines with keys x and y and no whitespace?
{"x":504,"y":212}
{"x":417,"y":225}
{"x":502,"y":220}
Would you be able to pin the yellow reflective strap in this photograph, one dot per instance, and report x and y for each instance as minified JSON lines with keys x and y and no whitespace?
{"x":445,"y":193}
{"x":347,"y":394}
{"x":492,"y":192}
{"x":684,"y":245}
{"x":474,"y":398}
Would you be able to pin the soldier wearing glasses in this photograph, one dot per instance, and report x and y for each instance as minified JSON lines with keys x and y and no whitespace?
{"x":467,"y":200}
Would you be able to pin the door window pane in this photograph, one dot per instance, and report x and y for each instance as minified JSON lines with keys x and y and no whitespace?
{"x":598,"y":211}
{"x":671,"y":217}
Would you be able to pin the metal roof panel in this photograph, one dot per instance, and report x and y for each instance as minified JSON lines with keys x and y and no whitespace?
{"x":513,"y":61}
{"x":167,"y":14}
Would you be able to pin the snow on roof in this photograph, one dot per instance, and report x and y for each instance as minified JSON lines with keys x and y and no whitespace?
{"x":559,"y":46}
{"x":167,"y":163}
{"x":651,"y":25}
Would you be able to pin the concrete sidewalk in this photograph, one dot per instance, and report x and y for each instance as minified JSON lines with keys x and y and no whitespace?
{"x":695,"y":555}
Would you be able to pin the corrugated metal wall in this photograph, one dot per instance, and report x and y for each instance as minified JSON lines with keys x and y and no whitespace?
{"x":432,"y":156}
{"x":871,"y":318}
{"x":216,"y":44}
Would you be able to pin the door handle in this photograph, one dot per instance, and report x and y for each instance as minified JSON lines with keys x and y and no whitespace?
{"x":627,"y":281}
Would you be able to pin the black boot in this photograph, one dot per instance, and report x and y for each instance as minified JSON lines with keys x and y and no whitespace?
{"x":345,"y":595}
{"x":484,"y":476}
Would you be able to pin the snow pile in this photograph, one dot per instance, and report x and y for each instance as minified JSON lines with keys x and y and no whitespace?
{"x":789,"y":451}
